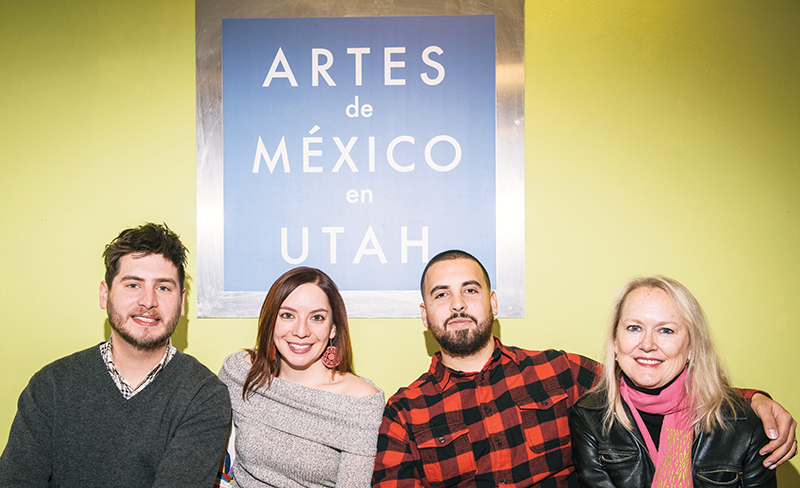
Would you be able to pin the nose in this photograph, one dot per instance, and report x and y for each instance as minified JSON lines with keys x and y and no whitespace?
{"x":301,"y":329}
{"x":457,"y":303}
{"x":648,"y":342}
{"x":148,"y":298}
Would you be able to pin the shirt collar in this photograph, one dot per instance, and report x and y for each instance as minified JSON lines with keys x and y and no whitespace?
{"x":442,"y":374}
{"x":127,"y":390}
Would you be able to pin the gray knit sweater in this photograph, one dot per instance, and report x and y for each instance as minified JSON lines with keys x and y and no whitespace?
{"x":74,"y":428}
{"x":289,"y":435}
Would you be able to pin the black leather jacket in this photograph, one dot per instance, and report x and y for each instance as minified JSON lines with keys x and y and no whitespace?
{"x":725,"y":457}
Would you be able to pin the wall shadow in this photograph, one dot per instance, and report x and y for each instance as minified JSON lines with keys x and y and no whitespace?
{"x":180,"y":338}
{"x":787,"y":475}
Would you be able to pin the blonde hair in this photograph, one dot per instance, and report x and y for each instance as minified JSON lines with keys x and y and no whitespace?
{"x":707,"y":382}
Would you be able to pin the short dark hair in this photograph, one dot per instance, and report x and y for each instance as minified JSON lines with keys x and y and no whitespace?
{"x":265,"y":360}
{"x":148,"y":238}
{"x":447,"y":256}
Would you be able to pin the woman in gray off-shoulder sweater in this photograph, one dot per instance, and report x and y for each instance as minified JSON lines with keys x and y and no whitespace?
{"x":290,"y":433}
{"x":300,"y":416}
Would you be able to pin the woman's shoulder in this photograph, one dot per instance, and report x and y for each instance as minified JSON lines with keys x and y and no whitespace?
{"x":355,"y":386}
{"x":587,"y":413}
{"x":738,"y":411}
{"x":592,"y":400}
{"x":236,"y":366}
{"x":237,"y":359}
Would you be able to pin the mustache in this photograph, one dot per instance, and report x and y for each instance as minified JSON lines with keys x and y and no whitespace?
{"x":460,"y":315}
{"x":146,"y":313}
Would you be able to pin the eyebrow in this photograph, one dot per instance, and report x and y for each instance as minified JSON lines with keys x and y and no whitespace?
{"x":447,"y":287}
{"x":141,"y":280}
{"x":437,"y":288}
{"x":313,"y":311}
{"x":657,"y":324}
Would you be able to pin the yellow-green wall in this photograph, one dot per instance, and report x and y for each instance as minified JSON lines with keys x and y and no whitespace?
{"x":662,"y":136}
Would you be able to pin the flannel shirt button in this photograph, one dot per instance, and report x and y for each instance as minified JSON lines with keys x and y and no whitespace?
{"x":544,"y":402}
{"x":441,"y":439}
{"x":503,"y":481}
{"x":499,"y":442}
{"x":487,"y":409}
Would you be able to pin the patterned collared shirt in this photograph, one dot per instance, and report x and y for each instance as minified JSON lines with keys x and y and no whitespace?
{"x":505,"y":425}
{"x":124,"y":388}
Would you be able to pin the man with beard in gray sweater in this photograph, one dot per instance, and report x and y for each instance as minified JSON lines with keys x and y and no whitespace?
{"x":133,"y":411}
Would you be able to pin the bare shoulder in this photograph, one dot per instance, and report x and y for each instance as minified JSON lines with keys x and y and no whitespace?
{"x":351,"y":385}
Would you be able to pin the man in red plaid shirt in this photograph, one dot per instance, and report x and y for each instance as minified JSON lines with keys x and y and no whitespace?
{"x":486,"y":414}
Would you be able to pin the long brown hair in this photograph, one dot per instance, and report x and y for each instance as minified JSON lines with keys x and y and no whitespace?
{"x":265,"y":357}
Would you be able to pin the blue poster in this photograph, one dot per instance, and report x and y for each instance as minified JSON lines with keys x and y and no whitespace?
{"x":362,"y":146}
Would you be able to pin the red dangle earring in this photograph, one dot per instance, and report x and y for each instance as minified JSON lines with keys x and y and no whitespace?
{"x":329,"y":357}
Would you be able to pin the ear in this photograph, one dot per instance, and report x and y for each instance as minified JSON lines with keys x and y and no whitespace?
{"x":103,"y":295}
{"x":493,"y":300}
{"x":333,"y":332}
{"x":424,"y":314}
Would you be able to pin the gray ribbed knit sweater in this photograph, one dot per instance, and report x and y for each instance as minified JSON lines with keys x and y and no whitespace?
{"x":74,"y":428}
{"x":289,"y":435}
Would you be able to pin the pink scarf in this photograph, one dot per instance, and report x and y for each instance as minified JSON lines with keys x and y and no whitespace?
{"x":673,"y":459}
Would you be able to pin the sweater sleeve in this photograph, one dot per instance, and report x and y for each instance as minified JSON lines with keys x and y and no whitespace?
{"x":193,"y":455}
{"x":27,"y":458}
{"x":355,"y":471}
{"x":355,"y":468}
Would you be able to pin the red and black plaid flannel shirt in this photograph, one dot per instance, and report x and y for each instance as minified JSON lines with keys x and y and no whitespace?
{"x":505,"y":425}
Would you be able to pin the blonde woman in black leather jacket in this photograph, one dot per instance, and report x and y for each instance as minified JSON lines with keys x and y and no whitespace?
{"x":664,"y":413}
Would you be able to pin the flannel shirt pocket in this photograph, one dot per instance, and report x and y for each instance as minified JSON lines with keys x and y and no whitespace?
{"x":546,"y":427}
{"x":445,"y":452}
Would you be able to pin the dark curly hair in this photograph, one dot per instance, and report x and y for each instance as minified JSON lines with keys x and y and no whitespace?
{"x":148,"y":238}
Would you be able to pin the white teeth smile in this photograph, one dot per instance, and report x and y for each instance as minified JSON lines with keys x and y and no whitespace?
{"x":648,"y":361}
{"x":146,"y":319}
{"x":301,"y":347}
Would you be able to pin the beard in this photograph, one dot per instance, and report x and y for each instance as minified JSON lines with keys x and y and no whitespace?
{"x":463,"y":342}
{"x":146,"y":342}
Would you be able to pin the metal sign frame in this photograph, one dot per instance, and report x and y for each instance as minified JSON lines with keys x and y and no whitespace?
{"x":213,"y":300}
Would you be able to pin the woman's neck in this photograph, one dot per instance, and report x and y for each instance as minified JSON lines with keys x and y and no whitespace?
{"x":649,"y":391}
{"x":316,"y":376}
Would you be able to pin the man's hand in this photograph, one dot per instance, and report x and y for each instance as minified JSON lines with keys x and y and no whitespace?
{"x":779,"y":426}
